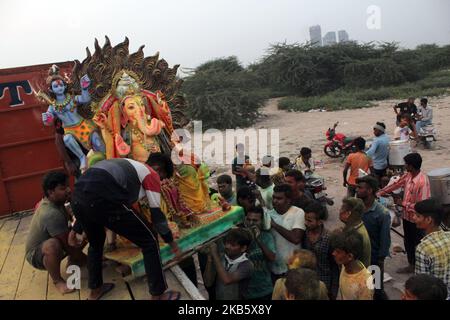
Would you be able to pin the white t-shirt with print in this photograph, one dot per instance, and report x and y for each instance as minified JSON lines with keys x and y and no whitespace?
{"x":402,"y":133}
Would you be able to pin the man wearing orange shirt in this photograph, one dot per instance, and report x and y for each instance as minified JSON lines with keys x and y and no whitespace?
{"x":356,"y":161}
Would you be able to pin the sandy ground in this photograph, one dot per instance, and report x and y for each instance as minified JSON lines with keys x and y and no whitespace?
{"x":308,"y":130}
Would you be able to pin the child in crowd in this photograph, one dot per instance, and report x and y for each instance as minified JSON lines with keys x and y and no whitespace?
{"x":355,"y":281}
{"x":404,"y":131}
{"x":302,"y":284}
{"x":300,"y":259}
{"x":231,"y":270}
{"x":350,"y":214}
{"x":424,"y":287}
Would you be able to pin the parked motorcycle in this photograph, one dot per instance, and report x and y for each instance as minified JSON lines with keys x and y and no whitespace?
{"x":427,"y":136}
{"x":338,"y":144}
{"x":316,"y":186}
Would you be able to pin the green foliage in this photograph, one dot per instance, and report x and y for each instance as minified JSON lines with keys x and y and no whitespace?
{"x":224,"y":94}
{"x":304,"y":70}
{"x":373,"y":73}
{"x":435,"y":84}
{"x":327,"y":102}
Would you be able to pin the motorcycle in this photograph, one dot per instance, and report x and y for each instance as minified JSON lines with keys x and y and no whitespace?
{"x":338,"y":144}
{"x":427,"y":136}
{"x":316,"y":186}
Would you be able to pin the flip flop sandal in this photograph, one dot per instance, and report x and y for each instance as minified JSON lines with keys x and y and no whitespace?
{"x":107,"y":288}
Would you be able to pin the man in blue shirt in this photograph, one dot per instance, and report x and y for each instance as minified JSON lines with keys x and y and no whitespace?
{"x":377,"y":221}
{"x":379,"y":150}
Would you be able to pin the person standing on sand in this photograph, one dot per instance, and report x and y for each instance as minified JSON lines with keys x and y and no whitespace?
{"x":379,"y":150}
{"x":355,"y":161}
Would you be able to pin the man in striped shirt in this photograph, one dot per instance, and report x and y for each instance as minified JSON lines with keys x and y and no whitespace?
{"x":103,"y":198}
{"x":416,"y":188}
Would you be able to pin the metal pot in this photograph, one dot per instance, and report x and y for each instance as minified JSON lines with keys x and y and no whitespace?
{"x":440,"y":185}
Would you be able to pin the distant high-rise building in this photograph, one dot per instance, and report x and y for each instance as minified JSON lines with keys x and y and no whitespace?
{"x":329,"y":39}
{"x":315,"y":33}
{"x":343,"y":36}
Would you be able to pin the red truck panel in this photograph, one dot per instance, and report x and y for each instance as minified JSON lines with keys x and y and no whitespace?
{"x":27,"y":148}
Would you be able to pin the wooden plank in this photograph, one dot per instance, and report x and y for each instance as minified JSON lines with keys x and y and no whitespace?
{"x":186,"y":283}
{"x":139,"y":287}
{"x":54,"y":294}
{"x":191,"y":240}
{"x":120,"y":291}
{"x":84,"y":291}
{"x":12,"y":267}
{"x":32,"y":284}
{"x":6,"y":237}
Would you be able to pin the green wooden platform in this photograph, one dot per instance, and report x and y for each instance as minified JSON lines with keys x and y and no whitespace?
{"x":132,"y":256}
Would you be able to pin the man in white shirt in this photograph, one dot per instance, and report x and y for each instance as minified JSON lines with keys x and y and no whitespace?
{"x":426,"y":114}
{"x":287,"y":227}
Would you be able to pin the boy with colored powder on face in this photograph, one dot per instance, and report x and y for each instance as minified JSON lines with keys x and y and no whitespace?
{"x":302,"y":284}
{"x":355,"y":279}
{"x":300,"y":259}
{"x":350,"y":214}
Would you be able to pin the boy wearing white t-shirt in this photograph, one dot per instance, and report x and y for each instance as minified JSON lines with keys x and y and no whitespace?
{"x":403,"y":131}
{"x":287,"y":227}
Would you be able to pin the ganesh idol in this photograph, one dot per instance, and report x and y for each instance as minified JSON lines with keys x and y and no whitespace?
{"x":128,"y":120}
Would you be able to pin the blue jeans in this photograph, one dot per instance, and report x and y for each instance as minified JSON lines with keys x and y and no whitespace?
{"x":420,"y":124}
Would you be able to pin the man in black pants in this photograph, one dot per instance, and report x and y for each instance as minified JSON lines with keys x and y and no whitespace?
{"x":102,"y":198}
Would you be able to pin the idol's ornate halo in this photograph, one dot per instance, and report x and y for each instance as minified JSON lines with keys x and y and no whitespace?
{"x":106,"y":66}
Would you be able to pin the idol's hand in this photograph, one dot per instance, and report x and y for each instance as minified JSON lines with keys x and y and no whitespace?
{"x":85,"y":82}
{"x":175,"y":250}
{"x":47,"y":118}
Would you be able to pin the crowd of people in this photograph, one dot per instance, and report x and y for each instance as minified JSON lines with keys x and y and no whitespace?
{"x":283,"y":251}
{"x":298,"y":258}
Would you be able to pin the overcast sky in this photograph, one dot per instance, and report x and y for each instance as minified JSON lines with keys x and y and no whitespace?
{"x":189,"y":32}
